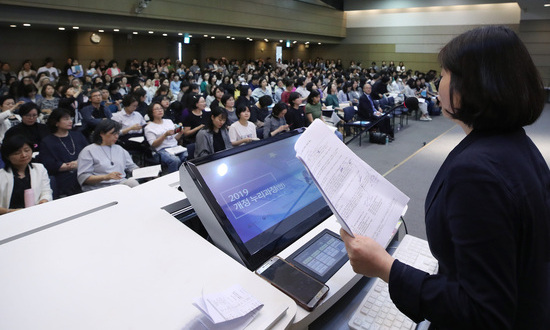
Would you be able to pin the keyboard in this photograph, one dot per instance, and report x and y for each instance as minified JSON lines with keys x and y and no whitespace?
{"x":377,"y":311}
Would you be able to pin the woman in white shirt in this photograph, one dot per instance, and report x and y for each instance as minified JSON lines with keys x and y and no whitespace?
{"x":162,"y":135}
{"x":242,"y":131}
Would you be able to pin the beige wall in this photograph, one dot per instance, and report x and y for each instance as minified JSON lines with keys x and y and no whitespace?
{"x":536,"y":36}
{"x":284,"y":15}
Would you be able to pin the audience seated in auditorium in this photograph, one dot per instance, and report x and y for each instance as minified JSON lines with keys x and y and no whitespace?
{"x":215,"y":136}
{"x":242,"y":131}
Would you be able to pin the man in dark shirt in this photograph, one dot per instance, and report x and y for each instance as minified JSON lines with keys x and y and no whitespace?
{"x":93,"y":113}
{"x":366,"y":110}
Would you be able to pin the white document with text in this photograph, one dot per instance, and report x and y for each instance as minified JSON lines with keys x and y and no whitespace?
{"x":363,"y":201}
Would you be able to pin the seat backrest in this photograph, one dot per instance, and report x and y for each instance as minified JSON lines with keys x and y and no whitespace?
{"x":349,"y":113}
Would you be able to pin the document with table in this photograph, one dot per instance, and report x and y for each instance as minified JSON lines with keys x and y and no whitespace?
{"x":363,"y":201}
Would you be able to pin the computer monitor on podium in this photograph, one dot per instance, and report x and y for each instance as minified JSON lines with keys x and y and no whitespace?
{"x":256,"y":199}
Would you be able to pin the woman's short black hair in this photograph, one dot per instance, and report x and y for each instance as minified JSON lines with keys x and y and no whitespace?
{"x":215,"y":112}
{"x":24,"y":109}
{"x":244,"y":89}
{"x":498,"y":84}
{"x":265,"y":101}
{"x":104,"y":126}
{"x":193,"y":100}
{"x":278,"y":108}
{"x":55,"y":117}
{"x":312,"y":94}
{"x":292,"y":97}
{"x":128,"y":99}
{"x":225,"y":97}
{"x":11,"y":145}
{"x":240,"y":109}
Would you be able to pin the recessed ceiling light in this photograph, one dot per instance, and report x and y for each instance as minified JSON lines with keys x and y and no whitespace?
{"x":547,"y":5}
{"x":26,"y":24}
{"x":165,"y":34}
{"x":212,"y":37}
{"x":151,"y":32}
{"x":228,"y":37}
{"x":266,"y":40}
{"x":280,"y":41}
{"x":206,"y":35}
{"x":294,"y":41}
{"x":13,"y":25}
{"x":116,"y":30}
{"x":190,"y":36}
{"x":76,"y":27}
{"x":318,"y":43}
{"x":135,"y":32}
{"x":180,"y":34}
{"x":100,"y":31}
{"x":61,"y":28}
{"x":233,"y":38}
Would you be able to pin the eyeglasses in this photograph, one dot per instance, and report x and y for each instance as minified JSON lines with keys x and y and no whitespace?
{"x":30,"y":116}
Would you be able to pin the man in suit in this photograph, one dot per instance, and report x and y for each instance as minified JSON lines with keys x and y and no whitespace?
{"x":366,"y":110}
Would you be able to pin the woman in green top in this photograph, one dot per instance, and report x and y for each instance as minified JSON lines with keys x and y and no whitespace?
{"x":313,"y":106}
{"x":332,"y":97}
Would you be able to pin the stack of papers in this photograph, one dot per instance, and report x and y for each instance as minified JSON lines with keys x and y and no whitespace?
{"x":233,"y":308}
{"x":363,"y":201}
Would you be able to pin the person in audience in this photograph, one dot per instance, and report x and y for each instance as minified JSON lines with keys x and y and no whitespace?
{"x":92,"y":70}
{"x":75,"y":70}
{"x":29,"y":93}
{"x":49,"y":101}
{"x":263,"y":89}
{"x":367,"y":111}
{"x":19,"y":176}
{"x":59,"y":153}
{"x":113,"y":71}
{"x":29,"y":127}
{"x":295,"y":116}
{"x":343,"y":94}
{"x":488,"y":208}
{"x":263,"y":110}
{"x":410,"y":92}
{"x":26,"y":70}
{"x":242,"y":131}
{"x":163,"y":137}
{"x":401,"y":68}
{"x":8,"y":116}
{"x":196,"y":119}
{"x":93,"y":113}
{"x":275,"y":123}
{"x":216,"y":94}
{"x":175,"y":84}
{"x":332,"y":98}
{"x":228,"y":103}
{"x":313,"y":108}
{"x":104,"y":163}
{"x":131,"y":122}
{"x":214,"y":137}
{"x":48,"y":67}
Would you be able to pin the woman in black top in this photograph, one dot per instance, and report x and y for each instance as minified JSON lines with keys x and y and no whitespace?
{"x":196,"y":119}
{"x":28,"y":127}
{"x":295,"y":116}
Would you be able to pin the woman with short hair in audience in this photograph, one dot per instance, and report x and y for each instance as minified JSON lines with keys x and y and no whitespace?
{"x":275,"y":123}
{"x":332,"y":98}
{"x":19,"y":176}
{"x":228,"y":103}
{"x":92,"y":70}
{"x":48,"y":101}
{"x":29,"y":93}
{"x":295,"y":116}
{"x":214,"y":137}
{"x":196,"y":119}
{"x":59,"y":153}
{"x":131,"y":121}
{"x":313,"y":107}
{"x":113,"y":70}
{"x":29,"y":127}
{"x":26,"y":70}
{"x":107,"y":80}
{"x":104,"y":163}
{"x":216,"y":94}
{"x":242,"y":131}
{"x":263,"y":89}
{"x":162,"y":135}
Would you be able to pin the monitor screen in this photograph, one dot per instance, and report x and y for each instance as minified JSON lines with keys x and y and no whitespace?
{"x":263,"y":196}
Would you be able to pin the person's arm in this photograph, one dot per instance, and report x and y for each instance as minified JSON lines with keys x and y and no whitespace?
{"x":135,"y":127}
{"x":188,"y":131}
{"x":46,"y":193}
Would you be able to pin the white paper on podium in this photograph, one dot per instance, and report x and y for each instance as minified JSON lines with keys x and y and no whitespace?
{"x":362,"y":200}
{"x":146,"y":172}
{"x":234,"y":305}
